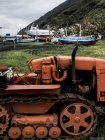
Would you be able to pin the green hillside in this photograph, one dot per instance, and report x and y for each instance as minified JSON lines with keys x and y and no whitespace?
{"x":71,"y":12}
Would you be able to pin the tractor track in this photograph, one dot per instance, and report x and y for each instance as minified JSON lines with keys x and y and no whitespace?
{"x":62,"y":98}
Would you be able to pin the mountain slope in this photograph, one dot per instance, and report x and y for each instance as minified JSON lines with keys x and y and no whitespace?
{"x":70,"y":12}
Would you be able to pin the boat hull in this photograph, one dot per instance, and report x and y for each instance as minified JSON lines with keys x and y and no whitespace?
{"x":25,"y":40}
{"x":81,"y":41}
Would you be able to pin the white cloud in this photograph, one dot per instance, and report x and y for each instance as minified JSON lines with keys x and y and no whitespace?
{"x":19,"y":13}
{"x":11,"y":25}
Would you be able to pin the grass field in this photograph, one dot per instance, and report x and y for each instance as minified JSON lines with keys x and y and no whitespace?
{"x":19,"y":58}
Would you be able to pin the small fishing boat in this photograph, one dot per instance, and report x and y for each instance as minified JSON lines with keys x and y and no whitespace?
{"x":41,"y":34}
{"x":55,"y":40}
{"x":83,"y":40}
{"x":25,"y":40}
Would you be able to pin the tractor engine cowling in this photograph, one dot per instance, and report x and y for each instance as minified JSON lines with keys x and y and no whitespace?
{"x":47,"y":70}
{"x":77,"y":75}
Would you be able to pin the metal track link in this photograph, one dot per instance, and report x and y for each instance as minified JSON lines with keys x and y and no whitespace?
{"x":62,"y":98}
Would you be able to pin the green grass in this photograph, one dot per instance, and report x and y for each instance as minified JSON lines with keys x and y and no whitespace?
{"x":14,"y":59}
{"x":19,"y":58}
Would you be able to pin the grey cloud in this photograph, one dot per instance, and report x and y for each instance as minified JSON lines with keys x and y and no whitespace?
{"x":18,"y":13}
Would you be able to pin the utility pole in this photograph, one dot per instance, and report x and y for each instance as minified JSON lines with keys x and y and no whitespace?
{"x":1,"y":31}
{"x":14,"y":44}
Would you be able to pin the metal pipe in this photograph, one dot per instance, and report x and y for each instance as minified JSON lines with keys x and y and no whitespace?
{"x":73,"y":65}
{"x":54,"y":71}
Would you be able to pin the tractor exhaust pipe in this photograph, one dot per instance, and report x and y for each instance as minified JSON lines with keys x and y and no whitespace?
{"x":73,"y":65}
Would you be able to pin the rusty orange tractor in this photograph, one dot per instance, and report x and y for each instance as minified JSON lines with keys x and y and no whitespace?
{"x":55,"y":99}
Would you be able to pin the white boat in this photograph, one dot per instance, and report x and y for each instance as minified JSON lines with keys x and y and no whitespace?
{"x":10,"y":39}
{"x":25,"y":40}
{"x":40,"y":34}
{"x":55,"y":40}
{"x":35,"y":31}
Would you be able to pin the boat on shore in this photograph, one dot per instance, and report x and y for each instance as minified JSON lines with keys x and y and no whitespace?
{"x":82,"y":40}
{"x":55,"y":40}
{"x":41,"y":34}
{"x":25,"y":40}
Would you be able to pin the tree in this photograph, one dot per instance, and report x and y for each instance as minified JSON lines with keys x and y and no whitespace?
{"x":100,"y":26}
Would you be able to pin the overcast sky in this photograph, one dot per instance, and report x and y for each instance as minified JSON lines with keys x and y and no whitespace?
{"x":16,"y":14}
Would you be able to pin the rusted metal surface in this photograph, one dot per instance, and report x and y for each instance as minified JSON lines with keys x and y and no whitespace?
{"x":41,"y":132}
{"x":4,"y":119}
{"x":46,"y":72}
{"x":54,"y":75}
{"x":33,"y":107}
{"x":65,"y":62}
{"x":14,"y":132}
{"x":36,"y":119}
{"x":77,"y":114}
{"x":54,"y":132}
{"x":28,"y":132}
{"x":3,"y":68}
{"x":100,"y":69}
{"x":30,"y":90}
{"x":28,"y":78}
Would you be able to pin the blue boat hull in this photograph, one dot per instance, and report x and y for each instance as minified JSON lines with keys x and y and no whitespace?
{"x":81,"y":41}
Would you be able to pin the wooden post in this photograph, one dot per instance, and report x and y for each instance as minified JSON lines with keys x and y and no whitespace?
{"x":14,"y":43}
